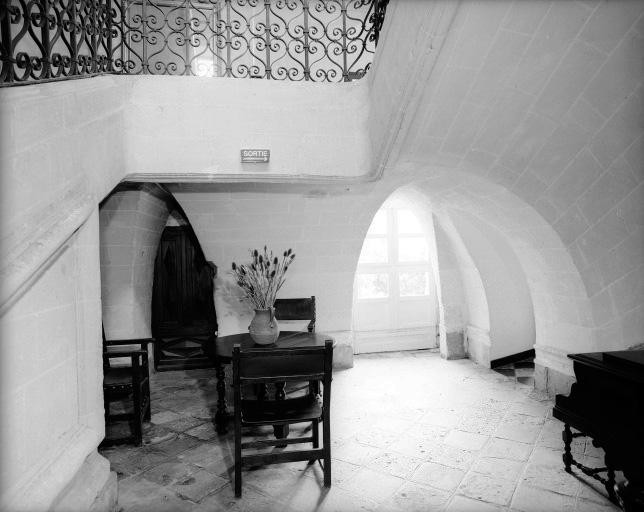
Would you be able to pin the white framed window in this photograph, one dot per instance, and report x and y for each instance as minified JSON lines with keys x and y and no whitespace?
{"x":394,"y":288}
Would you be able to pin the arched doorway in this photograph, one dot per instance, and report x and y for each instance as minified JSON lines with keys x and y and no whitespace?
{"x":184,"y":320}
{"x":395,"y":301}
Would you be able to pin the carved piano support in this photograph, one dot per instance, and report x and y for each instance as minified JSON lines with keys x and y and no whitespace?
{"x":607,"y":405}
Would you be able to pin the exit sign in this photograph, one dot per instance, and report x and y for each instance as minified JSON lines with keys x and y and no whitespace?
{"x":255,"y":156}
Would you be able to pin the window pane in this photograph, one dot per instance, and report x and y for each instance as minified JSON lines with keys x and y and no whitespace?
{"x":414,"y":284}
{"x":408,"y":222}
{"x":374,"y":250}
{"x":379,"y":223}
{"x":412,"y":249}
{"x":372,"y":286}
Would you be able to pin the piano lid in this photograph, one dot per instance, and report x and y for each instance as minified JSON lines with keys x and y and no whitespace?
{"x":631,"y":358}
{"x":627,"y":364}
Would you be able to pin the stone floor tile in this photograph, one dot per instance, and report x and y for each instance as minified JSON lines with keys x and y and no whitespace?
{"x":199,"y":411}
{"x":340,"y":471}
{"x":168,"y":472}
{"x":454,"y":457}
{"x":520,"y":427}
{"x":484,"y":424}
{"x":139,"y":495}
{"x":428,"y":431}
{"x":413,"y":497}
{"x":176,"y":445}
{"x":394,"y":464}
{"x":463,"y":504}
{"x":501,"y":468}
{"x":420,"y":448}
{"x":335,"y":500}
{"x":276,"y":480}
{"x":251,"y":501}
{"x":487,"y":488}
{"x":182,"y":423}
{"x":583,"y":505}
{"x":164,"y":417}
{"x":155,"y":434}
{"x":355,"y":452}
{"x":506,"y":449}
{"x":139,"y":461}
{"x":197,"y":485}
{"x":531,"y":499}
{"x":443,"y":417}
{"x":465,"y":440}
{"x":531,"y":408}
{"x":392,"y":424}
{"x":552,"y":478}
{"x":437,"y":475}
{"x":546,"y":456}
{"x":376,"y":437}
{"x":205,"y":431}
{"x":212,"y":457}
{"x":375,"y":485}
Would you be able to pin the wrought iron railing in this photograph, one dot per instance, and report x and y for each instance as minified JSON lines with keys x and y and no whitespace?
{"x":319,"y":40}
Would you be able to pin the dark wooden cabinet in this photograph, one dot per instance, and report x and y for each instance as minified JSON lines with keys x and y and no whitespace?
{"x":183,"y":309}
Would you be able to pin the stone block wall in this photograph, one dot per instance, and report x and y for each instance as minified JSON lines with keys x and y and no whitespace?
{"x":50,"y":367}
{"x":131,"y":222}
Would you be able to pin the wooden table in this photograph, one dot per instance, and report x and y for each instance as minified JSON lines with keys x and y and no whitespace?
{"x":222,"y":353}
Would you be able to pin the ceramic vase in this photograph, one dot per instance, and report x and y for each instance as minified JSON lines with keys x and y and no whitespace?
{"x":263,"y":327}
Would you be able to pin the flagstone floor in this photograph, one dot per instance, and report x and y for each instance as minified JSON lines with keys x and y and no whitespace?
{"x":411,"y":432}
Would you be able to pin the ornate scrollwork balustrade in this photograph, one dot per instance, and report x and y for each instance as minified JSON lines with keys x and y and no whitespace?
{"x":319,"y":40}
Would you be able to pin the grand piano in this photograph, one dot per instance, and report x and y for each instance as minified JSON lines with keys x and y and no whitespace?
{"x":606,"y":403}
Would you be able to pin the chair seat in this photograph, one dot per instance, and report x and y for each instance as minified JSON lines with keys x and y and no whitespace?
{"x":121,"y":377}
{"x":280,"y":412}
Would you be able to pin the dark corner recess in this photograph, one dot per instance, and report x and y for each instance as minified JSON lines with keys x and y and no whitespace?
{"x":513,"y":358}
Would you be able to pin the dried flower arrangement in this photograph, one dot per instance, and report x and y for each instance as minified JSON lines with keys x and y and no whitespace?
{"x":263,"y":277}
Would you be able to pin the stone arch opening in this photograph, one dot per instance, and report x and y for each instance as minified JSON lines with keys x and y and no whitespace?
{"x":501,"y":232}
{"x":394,"y":291}
{"x":132,"y":219}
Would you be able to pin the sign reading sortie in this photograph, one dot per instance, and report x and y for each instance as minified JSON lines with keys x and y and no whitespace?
{"x":255,"y":156}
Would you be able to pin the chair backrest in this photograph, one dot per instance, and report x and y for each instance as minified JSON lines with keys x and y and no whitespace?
{"x":265,"y":365}
{"x":296,"y":309}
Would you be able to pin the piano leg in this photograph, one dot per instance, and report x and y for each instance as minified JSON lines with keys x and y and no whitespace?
{"x":567,"y":439}
{"x":610,"y":478}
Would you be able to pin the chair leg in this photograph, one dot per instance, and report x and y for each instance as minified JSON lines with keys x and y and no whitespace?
{"x":148,"y":407}
{"x":238,"y":461}
{"x":326,"y":439}
{"x":137,"y":418}
{"x":315,"y":433}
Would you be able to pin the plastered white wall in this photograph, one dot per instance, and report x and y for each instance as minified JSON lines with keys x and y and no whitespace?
{"x":198,"y":126}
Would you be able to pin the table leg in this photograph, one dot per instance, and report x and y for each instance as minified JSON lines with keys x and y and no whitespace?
{"x":221,"y":416}
{"x":281,"y":431}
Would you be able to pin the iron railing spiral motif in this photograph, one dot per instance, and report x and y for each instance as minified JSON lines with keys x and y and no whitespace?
{"x":48,"y":39}
{"x":318,"y":40}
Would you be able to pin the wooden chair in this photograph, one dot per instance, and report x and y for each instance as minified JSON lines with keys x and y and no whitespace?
{"x":296,"y":309}
{"x":264,"y":366}
{"x":127,"y":381}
